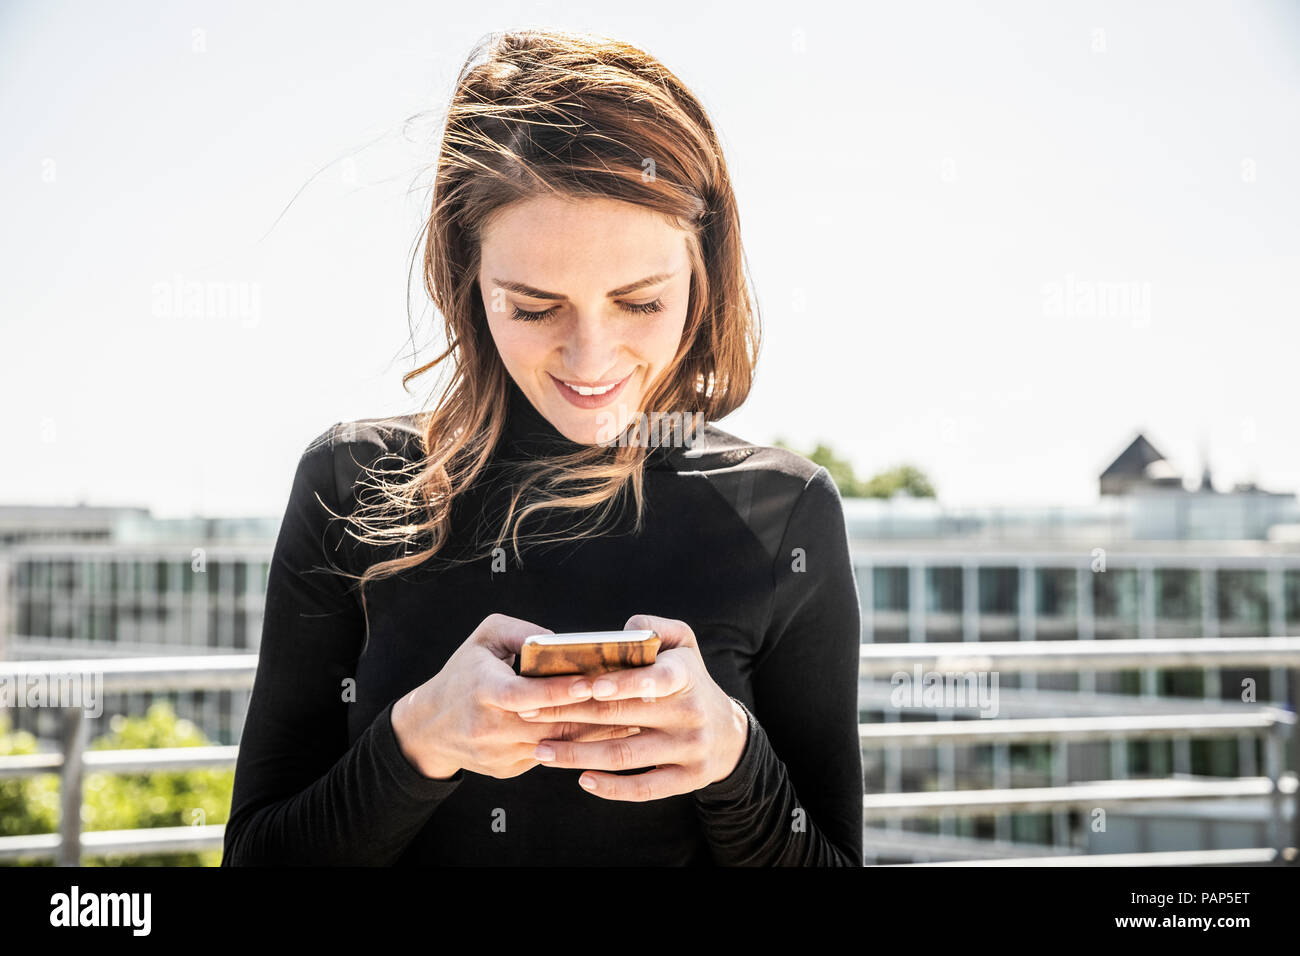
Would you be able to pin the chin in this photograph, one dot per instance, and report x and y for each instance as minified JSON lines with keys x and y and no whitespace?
{"x":593,"y":427}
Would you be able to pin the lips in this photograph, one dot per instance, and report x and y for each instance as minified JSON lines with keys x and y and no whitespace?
{"x":597,"y":400}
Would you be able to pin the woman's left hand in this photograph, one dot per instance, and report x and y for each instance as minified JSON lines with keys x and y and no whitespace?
{"x":692,"y":732}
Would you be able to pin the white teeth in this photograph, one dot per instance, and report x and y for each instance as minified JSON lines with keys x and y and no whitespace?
{"x":584,"y":390}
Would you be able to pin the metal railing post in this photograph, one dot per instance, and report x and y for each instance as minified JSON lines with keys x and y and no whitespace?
{"x":1293,"y":737}
{"x":1273,"y":770}
{"x":73,"y":740}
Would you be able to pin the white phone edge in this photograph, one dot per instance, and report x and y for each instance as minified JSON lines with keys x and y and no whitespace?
{"x":588,"y":637}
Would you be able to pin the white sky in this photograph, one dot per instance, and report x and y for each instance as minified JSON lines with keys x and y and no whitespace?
{"x":913,"y":185}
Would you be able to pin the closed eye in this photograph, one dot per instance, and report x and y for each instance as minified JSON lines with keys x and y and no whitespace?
{"x":643,"y":308}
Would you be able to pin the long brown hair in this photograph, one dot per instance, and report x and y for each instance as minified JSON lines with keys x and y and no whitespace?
{"x":576,"y":116}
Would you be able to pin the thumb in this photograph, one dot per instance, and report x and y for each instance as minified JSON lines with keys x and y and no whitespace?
{"x":672,"y":633}
{"x":504,"y":635}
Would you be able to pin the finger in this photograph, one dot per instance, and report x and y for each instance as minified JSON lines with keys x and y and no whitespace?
{"x":589,"y":733}
{"x":646,"y":749}
{"x":672,"y":633}
{"x":656,"y":712}
{"x":663,"y":781}
{"x":669,"y":674}
{"x":504,"y":635}
{"x":510,"y":691}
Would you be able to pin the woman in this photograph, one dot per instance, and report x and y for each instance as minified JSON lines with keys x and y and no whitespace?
{"x":584,"y":251}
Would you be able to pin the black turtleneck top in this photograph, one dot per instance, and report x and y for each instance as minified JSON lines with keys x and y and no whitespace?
{"x":747,"y":544}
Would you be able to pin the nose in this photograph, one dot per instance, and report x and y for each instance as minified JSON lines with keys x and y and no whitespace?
{"x":590,"y":350}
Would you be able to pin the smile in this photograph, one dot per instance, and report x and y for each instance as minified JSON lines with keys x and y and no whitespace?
{"x":590,"y":396}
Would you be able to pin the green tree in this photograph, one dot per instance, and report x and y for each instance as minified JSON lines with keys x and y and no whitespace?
{"x":125,"y":801}
{"x":27,"y":804}
{"x":901,"y":479}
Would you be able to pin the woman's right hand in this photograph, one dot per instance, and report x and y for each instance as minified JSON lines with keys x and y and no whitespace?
{"x":467,"y":715}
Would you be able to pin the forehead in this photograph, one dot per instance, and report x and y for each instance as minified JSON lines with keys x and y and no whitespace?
{"x":603,"y":241}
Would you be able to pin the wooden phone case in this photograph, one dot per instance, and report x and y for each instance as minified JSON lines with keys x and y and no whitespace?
{"x":597,"y":657}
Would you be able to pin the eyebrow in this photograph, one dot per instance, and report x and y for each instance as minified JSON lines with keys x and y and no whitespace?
{"x":533,"y":293}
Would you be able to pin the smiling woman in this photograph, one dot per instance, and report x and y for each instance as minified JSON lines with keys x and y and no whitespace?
{"x":584,"y":252}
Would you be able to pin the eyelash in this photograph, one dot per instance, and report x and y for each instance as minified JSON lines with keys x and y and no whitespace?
{"x":644,"y":308}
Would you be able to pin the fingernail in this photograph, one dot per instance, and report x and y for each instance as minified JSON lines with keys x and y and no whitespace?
{"x":603,"y":688}
{"x":633,"y":730}
{"x":528,"y":713}
{"x":580,"y":689}
{"x":544,"y":752}
{"x":587,"y":782}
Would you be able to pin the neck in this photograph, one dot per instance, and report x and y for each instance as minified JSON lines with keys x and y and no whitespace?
{"x":528,"y":431}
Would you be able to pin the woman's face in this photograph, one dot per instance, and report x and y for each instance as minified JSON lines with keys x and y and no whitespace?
{"x":609,"y":283}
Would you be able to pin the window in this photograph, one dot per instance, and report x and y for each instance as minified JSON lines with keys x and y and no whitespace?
{"x":999,"y":590}
{"x":1056,"y":592}
{"x":889,"y":585}
{"x":943,"y":590}
{"x":1243,"y":601}
{"x":1178,"y":593}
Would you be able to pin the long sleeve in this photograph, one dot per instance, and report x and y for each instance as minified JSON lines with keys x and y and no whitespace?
{"x":795,"y":797}
{"x":302,"y":795}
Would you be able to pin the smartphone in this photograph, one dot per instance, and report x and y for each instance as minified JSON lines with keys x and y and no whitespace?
{"x":586,"y":652}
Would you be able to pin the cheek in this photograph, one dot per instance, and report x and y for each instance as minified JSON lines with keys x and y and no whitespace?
{"x":663,"y":339}
{"x":519,"y":344}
